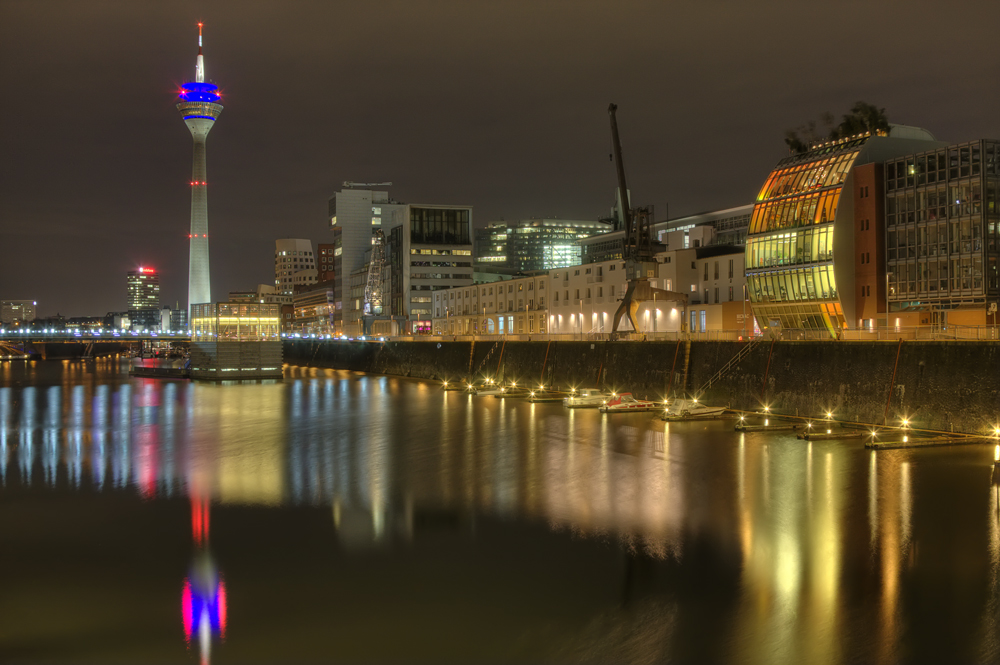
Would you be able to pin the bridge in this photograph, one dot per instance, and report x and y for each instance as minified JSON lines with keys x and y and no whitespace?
{"x":52,"y":344}
{"x":74,"y":336}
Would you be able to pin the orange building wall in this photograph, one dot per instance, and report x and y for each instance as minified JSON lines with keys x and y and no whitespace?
{"x":869,"y":242}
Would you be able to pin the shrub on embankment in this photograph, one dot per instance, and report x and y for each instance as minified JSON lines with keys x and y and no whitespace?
{"x":938,"y":385}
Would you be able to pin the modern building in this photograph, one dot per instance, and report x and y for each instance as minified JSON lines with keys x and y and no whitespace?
{"x":355,"y":215}
{"x":428,"y":247}
{"x":294,"y":265}
{"x":17,"y":312}
{"x":143,"y":299}
{"x":313,"y":308}
{"x":236,"y":341}
{"x":802,"y":251}
{"x":942,"y":219}
{"x":199,"y":106}
{"x":534,"y":244}
{"x":143,"y":289}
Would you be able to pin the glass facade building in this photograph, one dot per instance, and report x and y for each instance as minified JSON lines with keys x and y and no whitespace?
{"x":235,"y":322}
{"x":800,"y":249}
{"x":942,"y":225}
{"x":534,"y":244}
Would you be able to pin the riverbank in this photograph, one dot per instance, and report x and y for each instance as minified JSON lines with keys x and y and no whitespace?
{"x":944,"y":386}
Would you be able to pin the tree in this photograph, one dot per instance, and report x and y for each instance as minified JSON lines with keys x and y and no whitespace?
{"x":863,"y":118}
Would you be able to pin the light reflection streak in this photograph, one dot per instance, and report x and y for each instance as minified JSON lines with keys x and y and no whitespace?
{"x":579,"y":471}
{"x":5,"y":413}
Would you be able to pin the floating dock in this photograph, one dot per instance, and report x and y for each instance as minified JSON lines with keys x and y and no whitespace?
{"x":929,"y":442}
{"x":766,"y":428}
{"x":832,"y":436}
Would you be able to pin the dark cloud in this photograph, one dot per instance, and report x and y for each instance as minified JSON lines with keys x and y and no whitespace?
{"x":501,"y":105}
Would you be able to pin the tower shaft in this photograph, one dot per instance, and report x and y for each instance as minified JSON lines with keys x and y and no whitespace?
{"x":199,"y":281}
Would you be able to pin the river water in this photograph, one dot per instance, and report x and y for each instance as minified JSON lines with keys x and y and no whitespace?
{"x":335,"y":516}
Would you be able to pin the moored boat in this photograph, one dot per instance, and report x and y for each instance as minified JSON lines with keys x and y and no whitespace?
{"x":542,"y":395}
{"x":626,"y":402}
{"x":588,"y":398}
{"x":683,"y":409}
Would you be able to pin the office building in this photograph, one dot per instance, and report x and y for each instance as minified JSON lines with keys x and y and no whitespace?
{"x":942,"y":219}
{"x":17,"y":312}
{"x":533,"y":244}
{"x":143,"y":299}
{"x":428,"y":247}
{"x":294,"y":265}
{"x":200,"y":108}
{"x":802,"y":250}
{"x":143,"y":289}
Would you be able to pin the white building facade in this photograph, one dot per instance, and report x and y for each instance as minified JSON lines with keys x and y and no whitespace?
{"x":294,"y":264}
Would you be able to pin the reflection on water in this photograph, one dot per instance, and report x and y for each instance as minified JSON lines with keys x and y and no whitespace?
{"x":733,"y":546}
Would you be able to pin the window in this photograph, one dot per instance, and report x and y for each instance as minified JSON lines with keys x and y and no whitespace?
{"x":730,"y":274}
{"x":730,"y":294}
{"x":716,"y":270}
{"x":706,"y":271}
{"x":600,"y":291}
{"x":556,"y":299}
{"x":577,"y":296}
{"x":716,"y":295}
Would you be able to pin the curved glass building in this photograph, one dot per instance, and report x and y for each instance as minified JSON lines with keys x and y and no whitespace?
{"x":800,"y":248}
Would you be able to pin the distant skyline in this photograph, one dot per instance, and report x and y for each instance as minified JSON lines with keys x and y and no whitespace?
{"x":502,"y":106}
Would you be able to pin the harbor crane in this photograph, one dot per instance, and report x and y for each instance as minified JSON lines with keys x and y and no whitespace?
{"x":373,"y":287}
{"x":637,"y":248}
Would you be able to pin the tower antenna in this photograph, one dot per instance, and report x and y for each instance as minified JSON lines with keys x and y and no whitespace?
{"x":199,"y":70}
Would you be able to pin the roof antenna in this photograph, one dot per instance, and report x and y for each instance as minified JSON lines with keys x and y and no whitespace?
{"x":199,"y":70}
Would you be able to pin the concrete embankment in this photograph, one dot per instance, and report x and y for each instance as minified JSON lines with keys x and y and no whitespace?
{"x":945,"y":386}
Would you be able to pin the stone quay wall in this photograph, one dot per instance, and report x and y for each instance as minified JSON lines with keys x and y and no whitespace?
{"x":944,"y":386}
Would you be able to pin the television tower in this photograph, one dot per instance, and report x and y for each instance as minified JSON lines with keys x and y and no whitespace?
{"x":199,"y":104}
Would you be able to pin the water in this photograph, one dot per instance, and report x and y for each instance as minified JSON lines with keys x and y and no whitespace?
{"x":344,"y":517}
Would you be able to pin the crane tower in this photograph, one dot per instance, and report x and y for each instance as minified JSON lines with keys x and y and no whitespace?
{"x":373,"y":288}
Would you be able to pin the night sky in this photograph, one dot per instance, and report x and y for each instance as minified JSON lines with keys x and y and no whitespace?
{"x":499,"y":105}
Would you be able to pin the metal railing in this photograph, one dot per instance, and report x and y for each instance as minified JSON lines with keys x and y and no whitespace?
{"x":889,"y":333}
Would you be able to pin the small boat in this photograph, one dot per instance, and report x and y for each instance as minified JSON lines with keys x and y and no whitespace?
{"x":542,"y":395}
{"x":625,"y":402}
{"x":684,"y":409}
{"x":512,"y":391}
{"x":588,"y":398}
{"x":487,"y":391}
{"x":452,"y":385}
